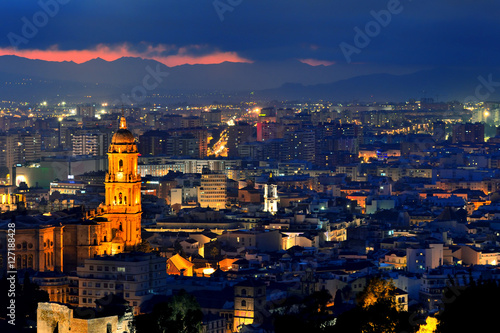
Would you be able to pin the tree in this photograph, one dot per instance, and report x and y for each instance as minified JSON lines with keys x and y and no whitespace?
{"x":144,"y":246}
{"x":182,"y":314}
{"x":178,"y":249}
{"x":377,"y":290}
{"x":338,"y":300}
{"x":376,"y":311}
{"x":473,"y":308}
{"x":430,"y":325}
{"x":310,"y":314}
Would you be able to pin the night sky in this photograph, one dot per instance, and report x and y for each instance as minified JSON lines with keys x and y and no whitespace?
{"x":417,"y":34}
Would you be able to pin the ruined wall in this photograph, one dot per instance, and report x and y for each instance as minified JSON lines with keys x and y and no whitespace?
{"x":52,"y":315}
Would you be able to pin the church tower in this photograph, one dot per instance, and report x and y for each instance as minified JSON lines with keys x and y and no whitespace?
{"x":271,"y":196}
{"x":122,"y":206}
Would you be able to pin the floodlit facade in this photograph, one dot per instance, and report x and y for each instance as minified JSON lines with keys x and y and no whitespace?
{"x":212,"y":191}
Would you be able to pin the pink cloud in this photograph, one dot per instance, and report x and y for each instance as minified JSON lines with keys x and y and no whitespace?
{"x":181,"y":55}
{"x":316,"y":62}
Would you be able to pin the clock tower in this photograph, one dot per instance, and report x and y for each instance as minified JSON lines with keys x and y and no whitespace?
{"x":122,"y":206}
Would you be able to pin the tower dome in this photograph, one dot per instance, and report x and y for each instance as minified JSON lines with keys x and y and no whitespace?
{"x":123,"y":138}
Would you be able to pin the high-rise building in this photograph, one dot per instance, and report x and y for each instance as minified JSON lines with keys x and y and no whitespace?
{"x":301,"y":145}
{"x":199,"y":133}
{"x":439,"y":131}
{"x":274,"y":150}
{"x":186,"y":145}
{"x":89,"y":144}
{"x":31,"y":146}
{"x":268,"y":130}
{"x":86,"y":111}
{"x":212,"y":117}
{"x":19,"y":149}
{"x":153,"y":143}
{"x":67,"y":128}
{"x":212,"y":192}
{"x":9,"y":150}
{"x":190,"y":122}
{"x":468,"y":132}
{"x":238,"y":134}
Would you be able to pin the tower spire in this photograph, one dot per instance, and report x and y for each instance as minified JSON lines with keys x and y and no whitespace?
{"x":123,"y":120}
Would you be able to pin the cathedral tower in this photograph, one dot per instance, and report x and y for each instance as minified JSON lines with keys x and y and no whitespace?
{"x":122,"y":206}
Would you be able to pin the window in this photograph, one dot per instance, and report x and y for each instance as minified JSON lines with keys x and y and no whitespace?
{"x":243,"y":292}
{"x":91,"y":267}
{"x":243,"y":303}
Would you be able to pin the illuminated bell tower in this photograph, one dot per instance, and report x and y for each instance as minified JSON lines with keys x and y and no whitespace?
{"x":123,"y":191}
{"x":271,"y":196}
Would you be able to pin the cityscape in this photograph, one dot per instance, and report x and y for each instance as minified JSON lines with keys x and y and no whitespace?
{"x":249,"y":167}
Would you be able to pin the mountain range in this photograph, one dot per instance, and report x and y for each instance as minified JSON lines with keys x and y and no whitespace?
{"x":98,"y":80}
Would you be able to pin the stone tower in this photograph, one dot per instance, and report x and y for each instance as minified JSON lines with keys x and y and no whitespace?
{"x":249,"y":303}
{"x":122,"y":206}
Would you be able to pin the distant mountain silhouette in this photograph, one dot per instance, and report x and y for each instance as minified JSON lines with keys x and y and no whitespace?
{"x":36,"y":80}
{"x":442,"y":84}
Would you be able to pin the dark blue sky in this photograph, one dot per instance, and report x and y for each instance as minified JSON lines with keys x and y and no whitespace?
{"x":420,"y":34}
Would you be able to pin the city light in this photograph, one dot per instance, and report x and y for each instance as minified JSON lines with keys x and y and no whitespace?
{"x":170,"y":169}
